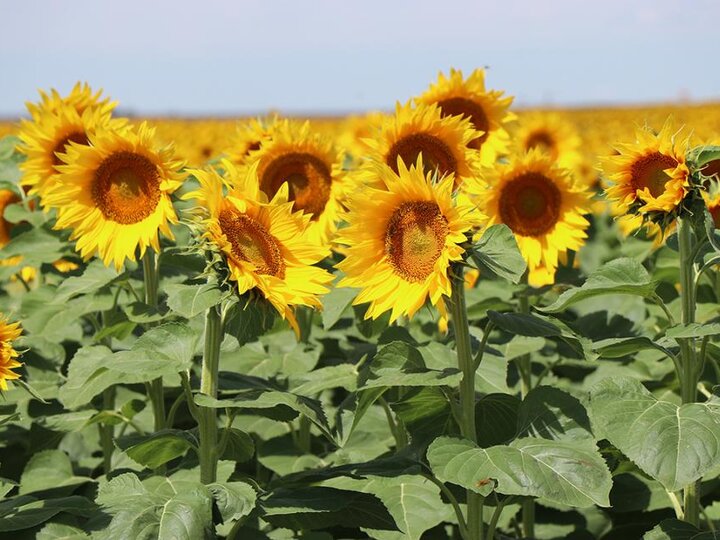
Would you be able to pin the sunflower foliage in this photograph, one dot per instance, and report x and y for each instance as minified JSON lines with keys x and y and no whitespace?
{"x":349,"y":423}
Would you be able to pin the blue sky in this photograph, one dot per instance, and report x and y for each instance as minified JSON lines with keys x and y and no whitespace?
{"x":323,"y":56}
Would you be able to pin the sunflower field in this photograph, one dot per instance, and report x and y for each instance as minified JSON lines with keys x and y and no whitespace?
{"x":448,"y":320}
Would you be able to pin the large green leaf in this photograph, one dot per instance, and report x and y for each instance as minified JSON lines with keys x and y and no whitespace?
{"x":191,"y":300}
{"x":564,"y":472}
{"x":550,"y":413}
{"x":59,"y":531}
{"x":233,"y":499}
{"x":157,"y":448}
{"x":497,"y":253}
{"x":674,"y":529}
{"x":23,"y":512}
{"x":620,"y":347}
{"x":95,"y":276}
{"x":335,"y":303}
{"x":693,"y":330}
{"x":620,"y":276}
{"x":49,"y":469}
{"x":496,"y":417}
{"x":675,"y":445}
{"x":37,"y":246}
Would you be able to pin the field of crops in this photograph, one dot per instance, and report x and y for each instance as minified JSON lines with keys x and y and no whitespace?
{"x":448,"y":320}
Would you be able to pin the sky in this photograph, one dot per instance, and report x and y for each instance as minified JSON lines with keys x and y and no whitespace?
{"x":217,"y":58}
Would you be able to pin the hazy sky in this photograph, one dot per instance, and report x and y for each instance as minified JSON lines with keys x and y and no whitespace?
{"x":213,"y":57}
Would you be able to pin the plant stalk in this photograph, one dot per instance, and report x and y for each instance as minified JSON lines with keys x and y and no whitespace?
{"x":689,"y":372}
{"x":107,"y":431}
{"x":151,"y":279}
{"x":207,"y":416}
{"x":466,"y":363}
{"x":525,"y":369}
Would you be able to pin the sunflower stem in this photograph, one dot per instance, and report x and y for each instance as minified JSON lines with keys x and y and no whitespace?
{"x":689,"y":372}
{"x":151,"y":279}
{"x":207,"y":416}
{"x":525,"y":369}
{"x":466,"y":363}
{"x":107,"y":430}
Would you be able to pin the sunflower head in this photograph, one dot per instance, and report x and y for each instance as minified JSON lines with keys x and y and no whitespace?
{"x":261,"y":243}
{"x":80,"y":98}
{"x":8,"y":355}
{"x":550,"y":134}
{"x":649,"y":177}
{"x":249,"y":137}
{"x":543,"y":207}
{"x":402,"y":238}
{"x":115,"y":194}
{"x":356,"y":131}
{"x":310,"y":166}
{"x":442,"y":141}
{"x":487,"y":110}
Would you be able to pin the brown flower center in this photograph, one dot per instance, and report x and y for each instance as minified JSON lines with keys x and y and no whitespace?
{"x":126,"y":187}
{"x":253,"y":243}
{"x":7,"y":198}
{"x":649,"y":172}
{"x":543,"y":141}
{"x":436,"y":155}
{"x":308,"y":177}
{"x":415,"y":238}
{"x":712,"y":168}
{"x":530,"y":204}
{"x":468,"y":108}
{"x":79,"y":137}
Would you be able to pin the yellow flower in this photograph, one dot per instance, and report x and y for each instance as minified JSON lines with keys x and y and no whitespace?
{"x":402,"y":238}
{"x":649,"y":175}
{"x":249,"y":137}
{"x":550,"y":134}
{"x":488,"y":110}
{"x":356,"y":131}
{"x":56,"y":124}
{"x":264,"y":243}
{"x":115,"y":194}
{"x":310,"y":166}
{"x":8,"y":355}
{"x":542,"y":206}
{"x":442,"y":141}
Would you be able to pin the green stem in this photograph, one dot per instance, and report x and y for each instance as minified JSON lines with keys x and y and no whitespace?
{"x":453,"y":502}
{"x":151,"y":278}
{"x":107,"y":431}
{"x":525,"y":369}
{"x":466,"y":363}
{"x":689,"y":372}
{"x":207,"y":416}
{"x":494,"y":520}
{"x":396,"y":427}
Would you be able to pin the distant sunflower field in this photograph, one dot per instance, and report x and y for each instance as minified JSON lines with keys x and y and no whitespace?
{"x":448,"y":320}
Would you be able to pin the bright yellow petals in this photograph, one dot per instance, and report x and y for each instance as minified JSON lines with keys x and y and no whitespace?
{"x":487,"y":110}
{"x":543,"y":207}
{"x":550,"y":134}
{"x":54,"y":129}
{"x":265,"y":243}
{"x":115,"y":194}
{"x":402,"y":237}
{"x":442,"y":141}
{"x":649,"y":175}
{"x":249,"y":137}
{"x":355,"y":133}
{"x":8,"y":355}
{"x":80,"y":98}
{"x":310,"y":166}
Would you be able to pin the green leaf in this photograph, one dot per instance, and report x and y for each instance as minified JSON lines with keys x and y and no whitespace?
{"x":248,"y":321}
{"x":675,"y":445}
{"x":674,"y":529}
{"x":37,"y":246}
{"x":24,"y":512}
{"x":335,"y":303}
{"x":191,"y":300}
{"x":234,"y":499}
{"x":620,"y":276}
{"x":158,"y":448}
{"x":693,"y":330}
{"x":59,"y":531}
{"x":312,"y":383}
{"x":321,"y":507}
{"x":550,"y":413}
{"x":49,"y":469}
{"x":240,"y":446}
{"x":496,"y":417}
{"x":699,"y":157}
{"x":571,"y":473}
{"x":620,"y":347}
{"x":523,"y":324}
{"x":497,"y":253}
{"x":426,"y":414}
{"x":95,"y":276}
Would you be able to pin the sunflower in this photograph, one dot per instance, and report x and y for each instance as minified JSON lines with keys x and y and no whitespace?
{"x":55,"y":127}
{"x":249,"y":137}
{"x":649,"y":177}
{"x":402,"y":238}
{"x":115,"y":194}
{"x":80,"y":98}
{"x":550,"y":134}
{"x":8,"y":333}
{"x":311,"y":167}
{"x":542,"y":206}
{"x":443,"y":142}
{"x":488,"y":110}
{"x":264,"y":243}
{"x":356,"y":131}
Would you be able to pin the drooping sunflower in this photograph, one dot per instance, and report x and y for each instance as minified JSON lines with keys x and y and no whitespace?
{"x":54,"y":128}
{"x":115,"y":194}
{"x":264,"y":242}
{"x":248,"y":138}
{"x":311,"y":166}
{"x":551,"y":134}
{"x":8,"y":355}
{"x":402,"y":238}
{"x":443,"y":142}
{"x":488,"y":110}
{"x":543,"y":207}
{"x":650,"y":176}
